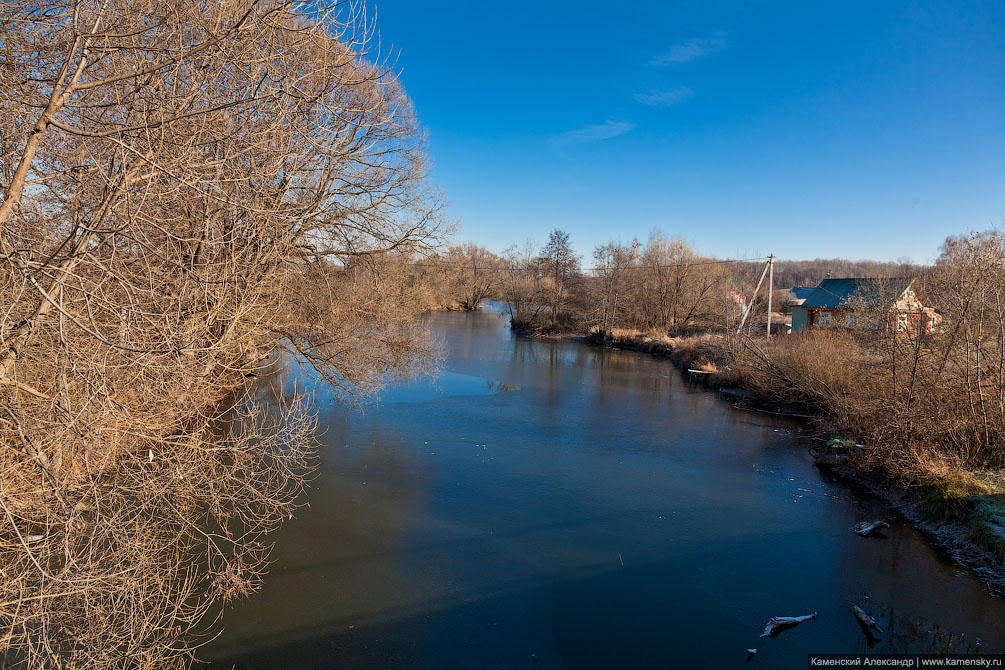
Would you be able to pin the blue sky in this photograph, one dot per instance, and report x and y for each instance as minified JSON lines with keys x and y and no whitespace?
{"x":804,"y":129}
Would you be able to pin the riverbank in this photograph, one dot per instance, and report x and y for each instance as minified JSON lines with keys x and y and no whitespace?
{"x":704,"y":352}
{"x":972,"y":535}
{"x":959,"y":509}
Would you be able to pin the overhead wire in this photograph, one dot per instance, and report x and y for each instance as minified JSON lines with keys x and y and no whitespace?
{"x":595,"y":268}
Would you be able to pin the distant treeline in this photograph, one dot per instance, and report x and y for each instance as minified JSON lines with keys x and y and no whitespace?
{"x":790,"y":273}
{"x":662,"y":285}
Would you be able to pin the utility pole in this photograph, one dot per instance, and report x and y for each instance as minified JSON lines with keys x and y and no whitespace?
{"x":771,"y":282}
{"x":753,"y":298}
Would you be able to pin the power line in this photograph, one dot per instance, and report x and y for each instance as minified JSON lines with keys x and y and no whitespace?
{"x":639,"y":266}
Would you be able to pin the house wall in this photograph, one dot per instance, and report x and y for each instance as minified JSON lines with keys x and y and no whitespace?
{"x":914,"y":320}
{"x":799,"y":320}
{"x":836,"y":316}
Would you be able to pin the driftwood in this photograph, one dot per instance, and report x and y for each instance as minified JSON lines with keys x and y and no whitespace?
{"x":867,"y":622}
{"x":779,"y":623}
{"x":865,"y":528}
{"x":868,"y":626}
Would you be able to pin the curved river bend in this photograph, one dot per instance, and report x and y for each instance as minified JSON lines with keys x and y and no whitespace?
{"x":551,"y":504}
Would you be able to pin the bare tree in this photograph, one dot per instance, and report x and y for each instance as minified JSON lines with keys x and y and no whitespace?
{"x":526,"y":288}
{"x":559,"y":263}
{"x":612,"y":263}
{"x":186,"y":185}
{"x":678,"y":287}
{"x":474,"y":274}
{"x":968,"y":287}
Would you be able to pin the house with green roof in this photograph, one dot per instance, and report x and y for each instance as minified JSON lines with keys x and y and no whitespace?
{"x":866,"y":303}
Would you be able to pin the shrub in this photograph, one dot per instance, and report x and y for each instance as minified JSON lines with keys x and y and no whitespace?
{"x":945,"y":501}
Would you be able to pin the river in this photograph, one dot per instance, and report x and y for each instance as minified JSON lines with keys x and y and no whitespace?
{"x":553,"y":504}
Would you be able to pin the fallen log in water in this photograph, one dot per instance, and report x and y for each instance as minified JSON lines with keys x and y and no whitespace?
{"x":868,"y":625}
{"x":867,"y":622}
{"x":779,"y":623}
{"x":865,"y":528}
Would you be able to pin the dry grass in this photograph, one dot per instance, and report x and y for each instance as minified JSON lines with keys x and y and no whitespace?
{"x":816,"y":371}
{"x":707,"y":352}
{"x":708,"y":366}
{"x":892,"y":395}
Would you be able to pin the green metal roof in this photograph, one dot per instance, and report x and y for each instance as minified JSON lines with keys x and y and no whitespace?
{"x":833,"y":293}
{"x":802,"y":292}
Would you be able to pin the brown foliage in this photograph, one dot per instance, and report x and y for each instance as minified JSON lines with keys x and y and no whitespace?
{"x":471,"y":275}
{"x":925,"y":403}
{"x":662,"y":286}
{"x":185,"y":185}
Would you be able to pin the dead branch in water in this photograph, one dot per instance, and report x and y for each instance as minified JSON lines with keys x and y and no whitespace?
{"x":779,"y":623}
{"x":866,"y":528}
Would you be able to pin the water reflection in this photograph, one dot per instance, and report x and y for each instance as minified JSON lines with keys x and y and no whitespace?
{"x":555,"y":504}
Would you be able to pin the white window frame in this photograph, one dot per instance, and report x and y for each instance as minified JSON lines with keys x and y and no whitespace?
{"x":825,"y":319}
{"x":902,"y":323}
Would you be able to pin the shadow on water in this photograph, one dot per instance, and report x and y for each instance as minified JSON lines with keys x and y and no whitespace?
{"x":554,"y":504}
{"x":594,"y":617}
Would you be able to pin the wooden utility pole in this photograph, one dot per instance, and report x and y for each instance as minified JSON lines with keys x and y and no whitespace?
{"x":771,"y":282}
{"x":750,"y":308}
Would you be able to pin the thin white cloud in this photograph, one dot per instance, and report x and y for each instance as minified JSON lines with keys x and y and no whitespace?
{"x":663,"y":97}
{"x":694,"y":48}
{"x":594,"y":133}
